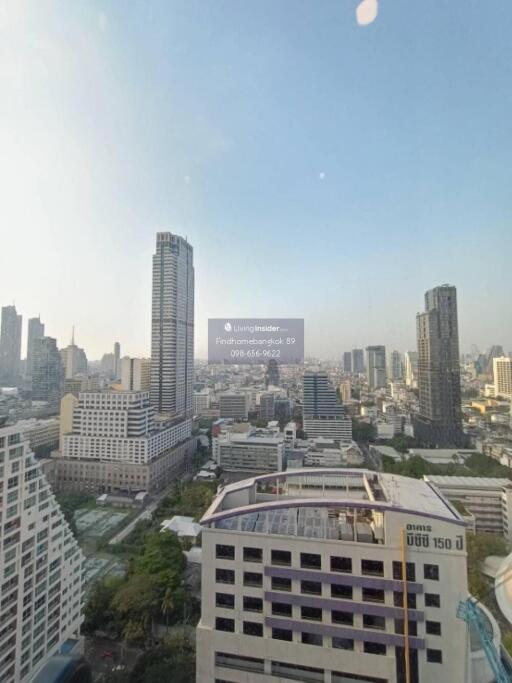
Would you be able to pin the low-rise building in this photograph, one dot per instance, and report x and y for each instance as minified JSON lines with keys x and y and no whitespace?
{"x":488,"y":499}
{"x":234,"y":405}
{"x":251,"y":451}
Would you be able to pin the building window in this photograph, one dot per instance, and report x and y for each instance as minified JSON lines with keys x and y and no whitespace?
{"x":282,"y":634}
{"x":374,"y":622}
{"x":398,"y":599}
{"x":253,"y":554}
{"x":374,"y":648}
{"x":339,"y":617}
{"x":281,"y":609}
{"x":222,"y":624}
{"x":296,"y":672}
{"x":310,"y":561}
{"x":253,"y":604}
{"x":281,"y":557}
{"x":410,"y":571}
{"x":225,"y":552}
{"x":341,"y":564}
{"x":431,"y":572}
{"x":311,"y":587}
{"x":434,"y":656}
{"x":343,"y":643}
{"x":311,"y":613}
{"x":372,"y":567}
{"x":251,"y":628}
{"x":400,"y":627}
{"x":373,"y":595}
{"x":225,"y":600}
{"x":433,"y":628}
{"x":432,"y":600}
{"x":312,"y":639}
{"x":253,"y":579}
{"x":281,"y":584}
{"x":238,"y":662}
{"x":224,"y":575}
{"x":341,"y":591}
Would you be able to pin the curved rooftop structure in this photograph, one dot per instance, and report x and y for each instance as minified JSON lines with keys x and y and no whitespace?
{"x":345,"y":504}
{"x":503,"y":588}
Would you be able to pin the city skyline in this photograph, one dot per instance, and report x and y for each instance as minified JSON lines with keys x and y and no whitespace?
{"x":361,"y":165}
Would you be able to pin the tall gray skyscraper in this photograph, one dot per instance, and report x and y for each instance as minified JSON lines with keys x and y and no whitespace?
{"x":323,"y":414}
{"x":35,"y":331}
{"x":357,"y":361}
{"x":46,"y":371}
{"x":347,"y":361}
{"x":439,"y":422}
{"x":10,"y":345}
{"x":395,"y":369}
{"x":117,"y":360}
{"x":376,"y":366}
{"x":172,"y":326}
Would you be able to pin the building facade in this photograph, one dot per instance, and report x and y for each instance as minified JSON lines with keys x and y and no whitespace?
{"x":502,"y":371}
{"x":172,"y":326}
{"x":358,"y":361}
{"x":116,"y":444}
{"x":395,"y":369}
{"x":249,"y":452}
{"x":303,"y":579}
{"x":234,"y":405}
{"x":10,"y":345}
{"x":135,"y":374}
{"x":376,"y":367}
{"x":46,"y":371}
{"x":323,"y":414}
{"x":439,"y":422}
{"x":347,"y":361}
{"x":411,"y":369}
{"x":40,"y":565}
{"x":35,"y":331}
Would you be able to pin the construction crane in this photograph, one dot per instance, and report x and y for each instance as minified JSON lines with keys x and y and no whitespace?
{"x":469,"y":612}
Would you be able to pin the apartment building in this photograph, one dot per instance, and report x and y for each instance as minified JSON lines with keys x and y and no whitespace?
{"x":303,"y":579}
{"x":234,"y":405}
{"x":251,"y":451}
{"x":40,"y":565}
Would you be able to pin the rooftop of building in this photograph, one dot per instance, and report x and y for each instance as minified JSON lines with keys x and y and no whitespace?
{"x":324,"y":489}
{"x":468,"y":482}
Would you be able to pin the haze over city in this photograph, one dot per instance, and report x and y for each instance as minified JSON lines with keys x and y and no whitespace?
{"x":320,"y":169}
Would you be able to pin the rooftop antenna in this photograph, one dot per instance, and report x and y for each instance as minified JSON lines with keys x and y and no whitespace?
{"x":73,"y":336}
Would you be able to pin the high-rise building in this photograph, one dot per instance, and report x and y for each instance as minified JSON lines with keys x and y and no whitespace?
{"x":108,"y":365}
{"x":272,"y":373}
{"x":345,"y":391}
{"x":46,"y":371}
{"x":74,"y":360}
{"x":117,"y":360}
{"x":358,"y":361}
{"x":376,"y":367}
{"x":496,"y":351}
{"x":304,"y":575}
{"x":40,"y":565}
{"x":503,"y":377}
{"x":123,"y":446}
{"x":439,"y":421}
{"x":202,"y":401}
{"x":411,"y":369}
{"x":10,"y":345}
{"x":347,"y":361}
{"x":395,"y":369}
{"x":323,"y":415}
{"x":172,"y":326}
{"x":35,"y":331}
{"x":267,"y":406}
{"x":135,"y":374}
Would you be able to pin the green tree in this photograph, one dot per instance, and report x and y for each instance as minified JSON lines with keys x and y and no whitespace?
{"x":363,"y":431}
{"x":167,"y":605}
{"x":99,"y":612}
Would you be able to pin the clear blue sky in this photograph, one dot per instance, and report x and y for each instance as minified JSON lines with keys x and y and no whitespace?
{"x":320,"y":169}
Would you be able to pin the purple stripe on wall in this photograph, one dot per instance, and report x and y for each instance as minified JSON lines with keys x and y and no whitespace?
{"x":344,"y":579}
{"x":343,"y":605}
{"x":381,"y":637}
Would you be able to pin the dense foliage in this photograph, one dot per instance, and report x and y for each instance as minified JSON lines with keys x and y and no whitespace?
{"x":477,"y":465}
{"x":173,"y":660}
{"x":363,"y":431}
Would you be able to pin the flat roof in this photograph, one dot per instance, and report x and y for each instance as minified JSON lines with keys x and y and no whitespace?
{"x":468,"y":482}
{"x":332,"y":487}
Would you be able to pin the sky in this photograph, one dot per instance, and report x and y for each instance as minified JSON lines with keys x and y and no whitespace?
{"x":321,"y":167}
